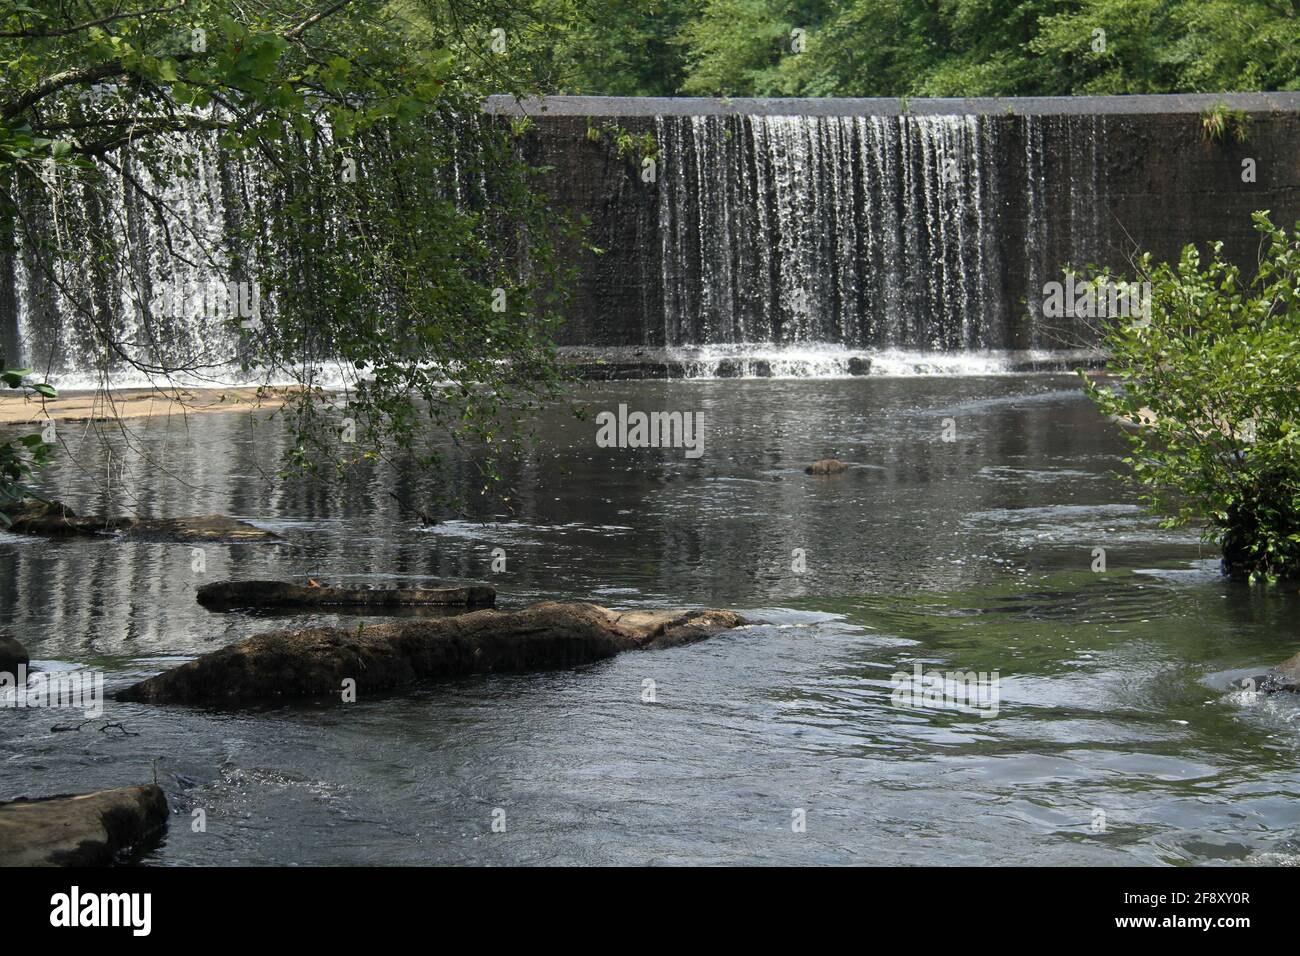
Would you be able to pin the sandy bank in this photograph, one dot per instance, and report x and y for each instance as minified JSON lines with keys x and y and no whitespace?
{"x":80,"y":406}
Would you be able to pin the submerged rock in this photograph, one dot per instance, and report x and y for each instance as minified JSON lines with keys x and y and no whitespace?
{"x":228,"y":595}
{"x":214,"y":528}
{"x":55,"y":519}
{"x":826,"y":466}
{"x":12,"y":655}
{"x":597,"y":371}
{"x":90,"y":829}
{"x":315,"y":662}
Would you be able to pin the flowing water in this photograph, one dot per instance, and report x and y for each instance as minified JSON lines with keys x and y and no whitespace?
{"x":931,"y":235}
{"x":1116,"y":689}
{"x":871,"y":231}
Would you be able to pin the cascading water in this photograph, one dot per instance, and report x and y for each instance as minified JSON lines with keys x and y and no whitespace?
{"x":790,"y":241}
{"x":171,"y":264}
{"x":864,"y":232}
{"x":157,"y":265}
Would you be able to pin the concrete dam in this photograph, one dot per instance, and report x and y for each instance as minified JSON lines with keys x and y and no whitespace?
{"x":816,"y":236}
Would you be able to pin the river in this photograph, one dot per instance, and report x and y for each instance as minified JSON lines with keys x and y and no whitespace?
{"x":1118,"y":737}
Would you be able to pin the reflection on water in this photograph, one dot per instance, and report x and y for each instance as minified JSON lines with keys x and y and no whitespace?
{"x":974,"y":554}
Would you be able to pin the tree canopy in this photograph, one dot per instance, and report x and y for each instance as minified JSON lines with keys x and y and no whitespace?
{"x":924,"y":47}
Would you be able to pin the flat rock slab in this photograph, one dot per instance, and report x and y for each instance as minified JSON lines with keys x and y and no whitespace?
{"x":91,"y":829}
{"x":214,"y":528}
{"x":231,"y":595}
{"x":56,"y":520}
{"x":114,"y":405}
{"x":314,"y":662}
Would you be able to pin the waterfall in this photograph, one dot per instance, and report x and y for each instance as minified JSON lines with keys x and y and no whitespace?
{"x":163,"y":251}
{"x":866,"y":232}
{"x":155,"y":263}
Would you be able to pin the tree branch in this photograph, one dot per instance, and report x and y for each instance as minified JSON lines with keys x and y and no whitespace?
{"x":314,"y":19}
{"x":102,"y":71}
{"x":65,"y":31}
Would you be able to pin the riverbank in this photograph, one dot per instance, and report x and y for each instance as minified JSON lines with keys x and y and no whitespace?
{"x":105,"y":405}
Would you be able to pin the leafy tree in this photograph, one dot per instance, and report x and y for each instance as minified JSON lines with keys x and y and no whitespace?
{"x":990,"y":47}
{"x":1153,"y":46}
{"x":736,"y":48}
{"x":1209,"y":385}
{"x":389,"y":232}
{"x":605,"y":47}
{"x":21,"y":458}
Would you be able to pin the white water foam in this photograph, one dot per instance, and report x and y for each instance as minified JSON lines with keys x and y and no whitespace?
{"x":831,"y":361}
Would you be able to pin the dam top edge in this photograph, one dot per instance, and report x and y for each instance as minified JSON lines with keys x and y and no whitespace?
{"x":653,"y":106}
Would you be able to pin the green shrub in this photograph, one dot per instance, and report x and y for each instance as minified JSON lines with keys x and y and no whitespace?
{"x":1216,"y":123}
{"x":1209,"y":388}
{"x":20,"y":458}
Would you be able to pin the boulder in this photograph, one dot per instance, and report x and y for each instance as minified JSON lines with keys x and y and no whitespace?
{"x":12,"y":654}
{"x":89,"y":829}
{"x":314,"y":662}
{"x":859,"y":365}
{"x":55,"y":519}
{"x":742,"y":368}
{"x":826,"y":466}
{"x":1286,"y":676}
{"x":229,"y":595}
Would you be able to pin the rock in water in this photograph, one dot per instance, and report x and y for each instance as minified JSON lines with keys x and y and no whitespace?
{"x":12,"y":654}
{"x":90,"y":829}
{"x":1286,"y":676}
{"x":826,"y":466}
{"x":214,"y":528}
{"x":56,"y":520}
{"x":228,"y":595}
{"x":315,"y":662}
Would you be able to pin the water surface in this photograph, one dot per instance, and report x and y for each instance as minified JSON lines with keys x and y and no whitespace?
{"x":971,"y":554}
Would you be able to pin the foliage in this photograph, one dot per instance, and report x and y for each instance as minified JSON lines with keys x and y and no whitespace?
{"x":387,"y":275}
{"x":1219,"y":121}
{"x":624,"y":144}
{"x":21,"y":458}
{"x":1210,"y":385}
{"x":606,"y":47}
{"x":736,"y":47}
{"x":924,"y":47}
{"x":427,"y":304}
